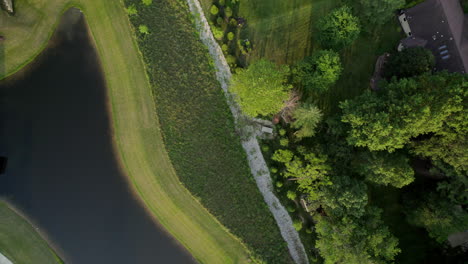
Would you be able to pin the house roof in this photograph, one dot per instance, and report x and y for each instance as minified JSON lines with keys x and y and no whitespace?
{"x":444,"y":26}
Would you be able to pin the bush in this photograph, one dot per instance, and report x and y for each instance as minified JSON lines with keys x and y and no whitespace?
{"x":143,"y":29}
{"x":265,"y":148}
{"x":292,"y":195}
{"x":291,"y":208}
{"x":279,"y":184}
{"x":214,"y":10}
{"x":218,"y":33}
{"x":297,"y":223}
{"x":228,"y":12}
{"x":284,"y":142}
{"x":282,"y":132}
{"x":224,"y":48}
{"x":131,"y":10}
{"x":230,"y":36}
{"x":220,"y":21}
{"x":273,"y":170}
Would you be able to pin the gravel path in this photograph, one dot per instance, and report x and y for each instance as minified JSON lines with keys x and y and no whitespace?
{"x":249,"y":140}
{"x":4,"y":260}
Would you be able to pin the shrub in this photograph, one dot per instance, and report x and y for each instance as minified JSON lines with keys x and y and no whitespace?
{"x":265,"y":148}
{"x":297,"y":223}
{"x":291,"y":208}
{"x":273,"y":170}
{"x":282,"y":132}
{"x":230,"y":36}
{"x":218,"y":33}
{"x":220,"y":21}
{"x":222,"y":2}
{"x":284,"y":142}
{"x":279,"y":184}
{"x":131,"y":10}
{"x":292,"y":195}
{"x":147,"y":2}
{"x":214,"y":10}
{"x":143,"y":29}
{"x":228,"y":12}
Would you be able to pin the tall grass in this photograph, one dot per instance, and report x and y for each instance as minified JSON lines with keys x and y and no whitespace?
{"x":199,"y":130}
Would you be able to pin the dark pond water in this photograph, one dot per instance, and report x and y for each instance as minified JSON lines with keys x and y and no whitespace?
{"x":62,"y":172}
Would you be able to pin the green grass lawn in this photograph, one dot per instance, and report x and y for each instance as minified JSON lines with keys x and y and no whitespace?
{"x":136,"y":130}
{"x":282,"y":31}
{"x":19,"y":242}
{"x":198,"y":128}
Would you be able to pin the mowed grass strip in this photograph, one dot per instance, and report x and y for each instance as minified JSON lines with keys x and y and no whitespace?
{"x":198,"y":127}
{"x":137,"y":136}
{"x":19,"y":242}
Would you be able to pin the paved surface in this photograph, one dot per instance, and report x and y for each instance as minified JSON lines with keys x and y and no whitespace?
{"x":4,"y":260}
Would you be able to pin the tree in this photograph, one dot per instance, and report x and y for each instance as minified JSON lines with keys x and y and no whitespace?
{"x":309,"y":170}
{"x":350,"y":240}
{"x":344,"y":197}
{"x":377,"y":13}
{"x":386,"y":168}
{"x":404,"y":109}
{"x":261,"y":89}
{"x":318,"y":72}
{"x":455,"y":185}
{"x":438,"y":216}
{"x":449,"y":144}
{"x":338,"y":29}
{"x":306,"y":118}
{"x":409,"y":62}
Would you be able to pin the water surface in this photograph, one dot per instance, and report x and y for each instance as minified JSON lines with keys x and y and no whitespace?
{"x":62,"y":172}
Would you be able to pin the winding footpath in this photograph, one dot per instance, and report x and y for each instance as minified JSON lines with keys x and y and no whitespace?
{"x":250,"y":143}
{"x":4,"y":260}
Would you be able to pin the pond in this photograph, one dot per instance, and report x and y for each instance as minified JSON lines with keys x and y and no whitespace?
{"x":61,"y":170}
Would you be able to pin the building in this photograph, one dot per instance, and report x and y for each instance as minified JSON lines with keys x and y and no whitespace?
{"x":440,"y":26}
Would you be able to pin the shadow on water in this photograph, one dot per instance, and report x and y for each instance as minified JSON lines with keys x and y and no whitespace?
{"x":62,"y":172}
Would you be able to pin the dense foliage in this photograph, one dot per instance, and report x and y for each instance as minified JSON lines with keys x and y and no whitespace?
{"x":364,"y":240}
{"x":338,"y":29}
{"x":404,"y":109}
{"x":261,"y":89}
{"x":318,"y":72}
{"x":386,"y":168}
{"x":409,"y":62}
{"x":440,"y":217}
{"x":198,"y":128}
{"x":307,"y":118}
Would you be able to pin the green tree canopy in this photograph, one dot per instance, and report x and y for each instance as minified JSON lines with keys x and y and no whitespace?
{"x":409,"y":62}
{"x":364,"y":240}
{"x":403,"y":109}
{"x":261,"y":89}
{"x":376,"y":13}
{"x":439,"y":217}
{"x":338,"y":29}
{"x":306,"y":117}
{"x":345,"y":196}
{"x":449,"y":144}
{"x":318,"y":72}
{"x":386,"y":168}
{"x":309,"y":170}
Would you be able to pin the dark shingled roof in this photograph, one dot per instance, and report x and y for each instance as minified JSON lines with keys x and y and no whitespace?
{"x":445,"y":27}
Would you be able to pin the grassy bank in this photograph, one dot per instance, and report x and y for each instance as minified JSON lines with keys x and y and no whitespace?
{"x":137,"y":135}
{"x":19,"y":242}
{"x":198,"y":128}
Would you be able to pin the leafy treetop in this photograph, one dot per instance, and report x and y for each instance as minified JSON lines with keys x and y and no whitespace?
{"x":261,"y":89}
{"x":338,"y":29}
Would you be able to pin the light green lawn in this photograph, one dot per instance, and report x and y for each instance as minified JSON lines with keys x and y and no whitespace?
{"x":137,"y":135}
{"x":19,"y":242}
